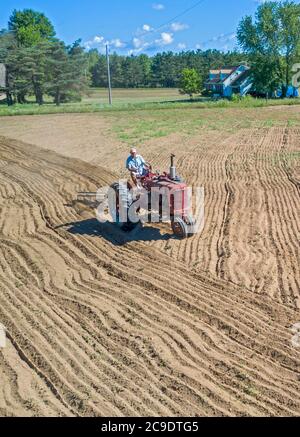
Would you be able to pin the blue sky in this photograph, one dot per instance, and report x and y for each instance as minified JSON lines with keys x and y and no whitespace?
{"x":131,"y":26}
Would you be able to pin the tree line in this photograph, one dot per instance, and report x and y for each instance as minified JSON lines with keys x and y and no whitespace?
{"x":162,"y":70}
{"x":39,"y":64}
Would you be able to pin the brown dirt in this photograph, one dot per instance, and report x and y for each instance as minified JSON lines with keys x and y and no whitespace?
{"x":76,"y":135}
{"x":252,"y":227}
{"x":251,"y":179}
{"x":100,"y":325}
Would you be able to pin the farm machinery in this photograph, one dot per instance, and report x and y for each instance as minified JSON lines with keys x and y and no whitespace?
{"x":165,"y":197}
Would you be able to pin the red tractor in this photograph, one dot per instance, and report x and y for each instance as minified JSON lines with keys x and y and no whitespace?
{"x":173,"y":204}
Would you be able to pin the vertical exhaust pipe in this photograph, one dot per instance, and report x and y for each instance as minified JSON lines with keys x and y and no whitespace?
{"x":172,"y":168}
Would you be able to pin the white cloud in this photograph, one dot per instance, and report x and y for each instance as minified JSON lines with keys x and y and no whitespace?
{"x":146,"y":28}
{"x":176,"y":27}
{"x":224,"y":41}
{"x":98,"y":39}
{"x":100,"y":42}
{"x":117,"y":43}
{"x":137,"y":43}
{"x":158,"y":6}
{"x":138,"y":47}
{"x":141,"y":41}
{"x":166,"y":38}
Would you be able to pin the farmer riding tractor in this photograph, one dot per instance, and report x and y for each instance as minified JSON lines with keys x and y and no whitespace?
{"x":173,"y":198}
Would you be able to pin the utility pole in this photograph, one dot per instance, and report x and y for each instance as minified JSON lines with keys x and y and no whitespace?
{"x":108,"y":75}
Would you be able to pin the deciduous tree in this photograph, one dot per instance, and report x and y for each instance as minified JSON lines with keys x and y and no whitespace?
{"x":30,"y":27}
{"x":190,"y":82}
{"x":272,"y":40}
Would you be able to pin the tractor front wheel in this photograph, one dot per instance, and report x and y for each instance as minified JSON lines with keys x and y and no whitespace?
{"x":181,"y":227}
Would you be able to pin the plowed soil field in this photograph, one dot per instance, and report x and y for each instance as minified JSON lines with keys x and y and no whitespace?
{"x":99,"y":323}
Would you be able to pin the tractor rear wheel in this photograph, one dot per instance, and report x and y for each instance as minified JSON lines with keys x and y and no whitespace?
{"x":122,"y":202}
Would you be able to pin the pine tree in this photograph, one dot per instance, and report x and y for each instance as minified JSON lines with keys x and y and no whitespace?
{"x":67,"y":78}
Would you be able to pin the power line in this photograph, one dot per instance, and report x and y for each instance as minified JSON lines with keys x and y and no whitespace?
{"x":198,"y":3}
{"x":178,"y":16}
{"x":172,"y":19}
{"x":155,"y":30}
